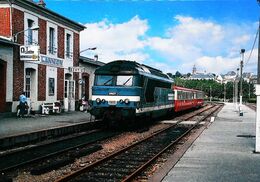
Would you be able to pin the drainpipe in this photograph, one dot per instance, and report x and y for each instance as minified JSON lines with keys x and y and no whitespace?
{"x":11,"y":17}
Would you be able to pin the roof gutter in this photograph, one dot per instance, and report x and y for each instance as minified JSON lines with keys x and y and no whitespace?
{"x":51,"y":14}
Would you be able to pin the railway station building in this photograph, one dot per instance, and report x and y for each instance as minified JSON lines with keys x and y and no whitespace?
{"x":39,"y":51}
{"x":86,"y":80}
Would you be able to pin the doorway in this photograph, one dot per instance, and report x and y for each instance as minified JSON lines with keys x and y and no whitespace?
{"x":69,"y":93}
{"x":85,"y":87}
{"x":2,"y":86}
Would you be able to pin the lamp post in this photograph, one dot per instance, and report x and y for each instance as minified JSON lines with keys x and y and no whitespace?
{"x":241,"y":75}
{"x":91,"y":48}
{"x":36,"y":27}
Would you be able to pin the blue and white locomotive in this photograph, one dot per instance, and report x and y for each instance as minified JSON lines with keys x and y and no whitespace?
{"x":126,"y":89}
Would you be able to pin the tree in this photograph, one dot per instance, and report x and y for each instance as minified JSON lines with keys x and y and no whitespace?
{"x":217,"y":89}
{"x":178,"y":74}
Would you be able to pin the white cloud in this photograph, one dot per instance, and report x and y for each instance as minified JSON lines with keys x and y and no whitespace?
{"x":116,"y":41}
{"x":211,"y":46}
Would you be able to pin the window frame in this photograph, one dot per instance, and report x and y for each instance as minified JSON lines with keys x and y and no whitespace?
{"x":51,"y":86}
{"x":68,"y":51}
{"x":28,"y":82}
{"x":51,"y":46}
{"x":52,"y":40}
{"x":30,"y":23}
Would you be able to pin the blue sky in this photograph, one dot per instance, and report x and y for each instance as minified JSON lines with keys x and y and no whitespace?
{"x":169,"y":35}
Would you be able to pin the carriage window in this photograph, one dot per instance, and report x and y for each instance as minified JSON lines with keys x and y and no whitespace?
{"x":124,"y":80}
{"x":104,"y":80}
{"x":180,"y":96}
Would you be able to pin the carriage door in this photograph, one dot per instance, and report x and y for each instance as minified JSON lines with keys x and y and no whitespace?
{"x":69,"y":95}
{"x":2,"y":85}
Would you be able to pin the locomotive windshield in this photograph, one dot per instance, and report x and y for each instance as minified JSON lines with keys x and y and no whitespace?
{"x":104,"y":80}
{"x":112,"y":80}
{"x":124,"y":80}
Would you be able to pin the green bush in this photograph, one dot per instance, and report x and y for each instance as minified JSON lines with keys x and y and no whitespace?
{"x":251,"y":100}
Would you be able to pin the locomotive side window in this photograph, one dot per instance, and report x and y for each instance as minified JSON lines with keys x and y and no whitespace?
{"x":124,"y":80}
{"x":149,"y":93}
{"x":104,"y":80}
{"x":138,"y":80}
{"x":151,"y":84}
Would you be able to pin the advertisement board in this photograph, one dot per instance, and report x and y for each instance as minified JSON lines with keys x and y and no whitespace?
{"x":29,"y":53}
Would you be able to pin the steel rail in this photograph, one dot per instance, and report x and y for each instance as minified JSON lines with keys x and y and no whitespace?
{"x":141,"y":168}
{"x":43,"y":157}
{"x":87,"y":168}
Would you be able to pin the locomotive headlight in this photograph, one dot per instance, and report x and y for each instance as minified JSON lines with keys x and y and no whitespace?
{"x":103,"y":100}
{"x":127,"y":101}
{"x":98,"y":100}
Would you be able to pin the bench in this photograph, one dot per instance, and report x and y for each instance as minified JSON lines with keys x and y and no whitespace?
{"x":53,"y":107}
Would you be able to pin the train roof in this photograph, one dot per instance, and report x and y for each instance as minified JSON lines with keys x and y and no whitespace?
{"x":185,"y":89}
{"x":125,"y":67}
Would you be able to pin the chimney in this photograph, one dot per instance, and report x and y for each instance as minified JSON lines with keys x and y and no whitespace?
{"x":42,"y":3}
{"x":96,"y":57}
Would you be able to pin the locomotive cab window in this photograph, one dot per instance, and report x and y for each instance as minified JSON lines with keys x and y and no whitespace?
{"x":104,"y":80}
{"x":124,"y":80}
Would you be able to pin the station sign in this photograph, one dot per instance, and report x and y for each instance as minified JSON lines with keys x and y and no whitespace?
{"x":29,"y":53}
{"x":77,"y":69}
{"x":51,"y":61}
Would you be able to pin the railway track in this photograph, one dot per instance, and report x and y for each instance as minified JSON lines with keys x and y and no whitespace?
{"x":20,"y":158}
{"x":127,"y":163}
{"x":252,"y":106}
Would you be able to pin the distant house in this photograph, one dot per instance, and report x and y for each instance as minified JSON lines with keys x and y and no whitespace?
{"x":219,"y":79}
{"x":253,"y":79}
{"x":247,"y":77}
{"x":202,"y":76}
{"x":229,"y":77}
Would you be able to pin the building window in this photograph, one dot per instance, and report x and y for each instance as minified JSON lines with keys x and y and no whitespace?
{"x":66,"y":89}
{"x":68,"y":46}
{"x":28,"y":81}
{"x":51,"y":86}
{"x":52,"y":48}
{"x":30,"y":32}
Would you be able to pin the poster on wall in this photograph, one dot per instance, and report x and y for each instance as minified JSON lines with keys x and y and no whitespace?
{"x":29,"y":53}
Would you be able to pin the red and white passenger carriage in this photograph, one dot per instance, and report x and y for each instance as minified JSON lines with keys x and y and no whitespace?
{"x":185,"y":98}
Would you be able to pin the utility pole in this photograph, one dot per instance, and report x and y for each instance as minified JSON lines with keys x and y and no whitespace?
{"x":234,"y":92}
{"x":249,"y":89}
{"x":257,"y":93}
{"x":241,"y":76}
{"x":225,"y":92}
{"x":236,"y":88}
{"x":210,"y":90}
{"x":258,"y":67}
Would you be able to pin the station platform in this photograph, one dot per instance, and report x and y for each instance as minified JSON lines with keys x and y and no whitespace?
{"x":14,"y":130}
{"x":223,"y":152}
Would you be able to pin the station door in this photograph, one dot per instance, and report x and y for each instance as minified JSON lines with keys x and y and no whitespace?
{"x":2,"y":86}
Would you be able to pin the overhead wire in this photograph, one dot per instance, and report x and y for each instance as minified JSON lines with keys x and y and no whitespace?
{"x":257,"y":32}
